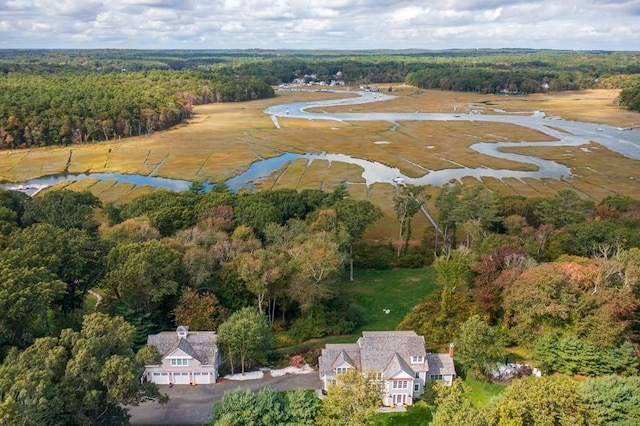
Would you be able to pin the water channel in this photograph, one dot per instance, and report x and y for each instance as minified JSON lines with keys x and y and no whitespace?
{"x":623,"y":141}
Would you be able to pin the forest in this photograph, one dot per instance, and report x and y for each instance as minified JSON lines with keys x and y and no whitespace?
{"x":558,"y":277}
{"x":554,"y":280}
{"x":62,"y":97}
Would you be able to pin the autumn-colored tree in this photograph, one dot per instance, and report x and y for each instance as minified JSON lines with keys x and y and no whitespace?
{"x":199,"y":311}
{"x":135,"y":230}
{"x":353,"y":399}
{"x":540,"y":401}
{"x":539,"y":296}
{"x":486,"y":291}
{"x":314,"y":264}
{"x":260,"y":270}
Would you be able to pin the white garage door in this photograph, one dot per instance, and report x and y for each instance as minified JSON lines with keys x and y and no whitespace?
{"x":181,"y":379}
{"x":202,"y":378}
{"x":160,"y":378}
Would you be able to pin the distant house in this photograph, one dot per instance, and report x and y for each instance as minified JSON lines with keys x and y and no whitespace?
{"x":398,"y":358}
{"x":188,"y":357}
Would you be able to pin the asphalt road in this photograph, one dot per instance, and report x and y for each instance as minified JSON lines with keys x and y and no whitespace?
{"x":192,"y":404}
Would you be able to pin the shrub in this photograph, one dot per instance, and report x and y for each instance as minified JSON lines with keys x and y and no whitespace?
{"x":297,"y":361}
{"x":373,"y":256}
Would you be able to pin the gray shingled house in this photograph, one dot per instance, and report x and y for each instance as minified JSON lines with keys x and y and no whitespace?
{"x":188,"y":357}
{"x":398,"y":358}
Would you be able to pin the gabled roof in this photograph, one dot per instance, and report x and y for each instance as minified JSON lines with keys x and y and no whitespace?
{"x":184,"y":346}
{"x":378,"y":347}
{"x":200,"y":345}
{"x":396,"y":367}
{"x":388,"y":352}
{"x":342,"y":358}
{"x":440,"y":364}
{"x":335,"y":354}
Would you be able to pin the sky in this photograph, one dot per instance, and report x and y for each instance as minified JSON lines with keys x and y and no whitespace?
{"x":323,"y":24}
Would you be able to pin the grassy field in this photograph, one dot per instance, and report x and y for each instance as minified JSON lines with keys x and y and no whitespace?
{"x":418,"y":415}
{"x":222,"y":140}
{"x":397,"y":290}
{"x":481,"y":391}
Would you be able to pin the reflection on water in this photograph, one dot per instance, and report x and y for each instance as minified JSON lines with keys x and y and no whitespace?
{"x":33,"y":184}
{"x":623,"y":141}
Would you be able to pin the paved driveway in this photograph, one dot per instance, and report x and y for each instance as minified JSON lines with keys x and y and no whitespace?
{"x":192,"y":404}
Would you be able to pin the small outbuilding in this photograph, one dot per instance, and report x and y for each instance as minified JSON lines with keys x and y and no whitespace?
{"x":188,"y":357}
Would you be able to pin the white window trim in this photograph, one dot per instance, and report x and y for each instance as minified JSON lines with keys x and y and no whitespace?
{"x":179,"y":362}
{"x":400,"y":384}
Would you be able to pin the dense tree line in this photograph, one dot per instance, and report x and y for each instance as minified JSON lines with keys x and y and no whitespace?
{"x":61,"y":97}
{"x":557,"y":275}
{"x":609,"y":400}
{"x":66,"y":108}
{"x":630,"y":95}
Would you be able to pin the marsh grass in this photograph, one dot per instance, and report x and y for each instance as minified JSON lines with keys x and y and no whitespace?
{"x":222,"y":140}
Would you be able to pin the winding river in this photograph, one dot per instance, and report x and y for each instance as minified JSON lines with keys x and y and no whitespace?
{"x":623,"y":141}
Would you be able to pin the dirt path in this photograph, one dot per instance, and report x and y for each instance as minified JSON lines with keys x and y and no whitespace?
{"x":98,"y":298}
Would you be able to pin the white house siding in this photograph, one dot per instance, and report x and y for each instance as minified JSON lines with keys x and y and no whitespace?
{"x":394,"y":355}
{"x":160,"y":378}
{"x":399,"y":393}
{"x":179,"y":365}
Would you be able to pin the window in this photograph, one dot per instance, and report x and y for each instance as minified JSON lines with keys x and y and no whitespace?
{"x":399,"y":398}
{"x":341,"y":370}
{"x":417,"y":359}
{"x":417,"y":375}
{"x":179,"y":362}
{"x":400,"y":384}
{"x":416,"y":387}
{"x":378,"y":376}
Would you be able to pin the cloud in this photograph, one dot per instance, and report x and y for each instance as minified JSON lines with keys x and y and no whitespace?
{"x":345,"y":24}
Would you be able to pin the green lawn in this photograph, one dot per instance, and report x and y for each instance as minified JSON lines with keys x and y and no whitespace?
{"x":482,"y":391}
{"x":397,"y":290}
{"x":419,"y":414}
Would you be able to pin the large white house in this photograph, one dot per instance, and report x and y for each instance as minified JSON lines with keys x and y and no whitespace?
{"x":188,"y":357}
{"x":398,"y":358}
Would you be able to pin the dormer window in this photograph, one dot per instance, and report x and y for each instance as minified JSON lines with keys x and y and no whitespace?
{"x":417,"y":359}
{"x":183,"y":331}
{"x":179,"y":362}
{"x":341,"y":370}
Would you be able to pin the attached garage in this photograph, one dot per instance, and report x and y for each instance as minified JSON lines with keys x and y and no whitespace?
{"x":160,"y":378}
{"x":181,"y":379}
{"x":202,"y":378}
{"x":187,"y":357}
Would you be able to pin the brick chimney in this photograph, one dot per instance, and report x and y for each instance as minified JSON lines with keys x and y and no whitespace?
{"x":451,"y":349}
